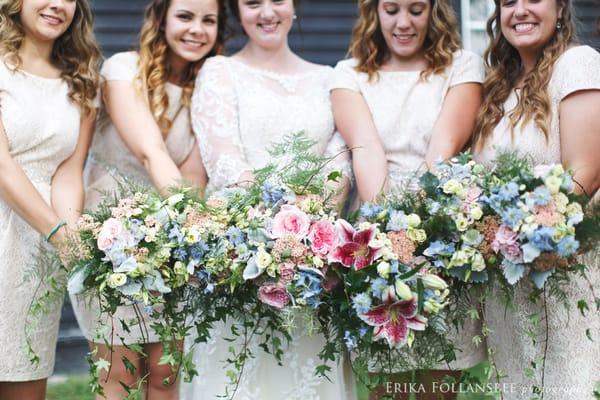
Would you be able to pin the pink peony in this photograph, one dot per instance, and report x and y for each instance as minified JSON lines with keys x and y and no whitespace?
{"x":109,"y":233}
{"x":290,"y":220}
{"x":323,"y":238}
{"x":513,"y":253}
{"x":274,"y":295}
{"x":505,"y":236}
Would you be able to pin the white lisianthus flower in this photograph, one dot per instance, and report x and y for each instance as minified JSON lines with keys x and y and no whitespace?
{"x":462,"y":223}
{"x":117,"y":279}
{"x":174,"y":199}
{"x":561,"y":201}
{"x":413,"y":220}
{"x":458,"y":258}
{"x":179,"y":268}
{"x":477,"y":262}
{"x":263,"y":259}
{"x":388,"y":254}
{"x":364,"y":225}
{"x":476,"y":212}
{"x":557,"y":170}
{"x":383,"y":269}
{"x":192,"y":236}
{"x":452,"y":186}
{"x":553,"y":184}
{"x":574,"y":209}
{"x":317,"y":262}
{"x":416,"y":235}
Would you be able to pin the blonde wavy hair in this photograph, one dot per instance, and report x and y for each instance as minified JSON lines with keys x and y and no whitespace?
{"x":368,"y":46}
{"x":75,"y":52}
{"x":503,"y":66}
{"x":153,"y":67}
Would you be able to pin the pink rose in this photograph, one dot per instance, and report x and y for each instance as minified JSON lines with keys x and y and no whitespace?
{"x":505,"y":236}
{"x":287,"y":272}
{"x":473,"y":195}
{"x":274,"y":295}
{"x":111,"y":229}
{"x":323,"y":238}
{"x":290,"y":221}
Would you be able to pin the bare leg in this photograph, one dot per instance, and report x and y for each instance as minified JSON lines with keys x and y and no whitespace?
{"x":158,"y":375}
{"x":30,"y":390}
{"x":118,"y":373}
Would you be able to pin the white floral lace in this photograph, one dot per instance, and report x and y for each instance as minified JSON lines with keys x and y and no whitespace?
{"x":237,"y":112}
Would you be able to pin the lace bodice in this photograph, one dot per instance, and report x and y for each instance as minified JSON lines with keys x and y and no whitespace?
{"x":571,"y":365}
{"x":239,"y":110}
{"x":405,"y":108}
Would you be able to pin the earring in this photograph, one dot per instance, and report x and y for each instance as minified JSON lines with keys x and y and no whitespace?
{"x":294,"y":16}
{"x":558,"y":24}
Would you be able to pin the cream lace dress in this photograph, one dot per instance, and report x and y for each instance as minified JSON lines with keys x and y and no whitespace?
{"x":404,"y":110}
{"x":42,"y":128}
{"x":108,"y":163}
{"x":237,"y":112}
{"x":572,"y":365}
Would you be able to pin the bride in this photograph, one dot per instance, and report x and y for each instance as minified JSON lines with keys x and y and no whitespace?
{"x":241,"y":105}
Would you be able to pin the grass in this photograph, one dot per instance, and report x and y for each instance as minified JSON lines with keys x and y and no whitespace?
{"x":77,"y":388}
{"x":72,"y":388}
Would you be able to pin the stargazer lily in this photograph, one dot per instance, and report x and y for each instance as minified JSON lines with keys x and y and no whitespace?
{"x":355,"y":250}
{"x":393,"y":319}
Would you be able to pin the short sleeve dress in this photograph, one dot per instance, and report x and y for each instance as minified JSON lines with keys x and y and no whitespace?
{"x":572,"y":365}
{"x":405,"y":109}
{"x":42,"y":128}
{"x":109,"y":160}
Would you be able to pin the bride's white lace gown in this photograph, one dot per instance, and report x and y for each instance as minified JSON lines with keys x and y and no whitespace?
{"x":237,"y":112}
{"x":572,"y":365}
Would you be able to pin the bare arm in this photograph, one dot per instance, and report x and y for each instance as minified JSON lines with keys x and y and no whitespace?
{"x":455,"y":123}
{"x":193,"y":170}
{"x":67,"y":183}
{"x":19,"y":193}
{"x":136,"y":125}
{"x":579,"y":120}
{"x":355,"y":123}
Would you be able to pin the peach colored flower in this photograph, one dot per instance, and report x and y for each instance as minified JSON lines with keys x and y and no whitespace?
{"x":402,"y":246}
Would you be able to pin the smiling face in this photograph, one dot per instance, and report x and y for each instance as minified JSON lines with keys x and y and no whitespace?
{"x":191,"y":29}
{"x":267,"y":22}
{"x":46,"y":20}
{"x":529,"y":24}
{"x":404,"y":26}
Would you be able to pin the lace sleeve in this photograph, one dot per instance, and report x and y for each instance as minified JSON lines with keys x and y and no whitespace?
{"x":344,"y":76}
{"x":577,"y":69}
{"x":215,"y":122}
{"x":120,"y":67}
{"x":466,"y":68}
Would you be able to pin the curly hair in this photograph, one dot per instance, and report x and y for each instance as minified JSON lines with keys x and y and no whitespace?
{"x":368,"y":45}
{"x":75,"y":52}
{"x":503,"y":66}
{"x":153,"y":67}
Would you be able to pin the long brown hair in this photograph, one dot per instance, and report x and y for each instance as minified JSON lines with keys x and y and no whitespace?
{"x":153,"y":67}
{"x":368,"y":46}
{"x":503,"y":66}
{"x":75,"y":52}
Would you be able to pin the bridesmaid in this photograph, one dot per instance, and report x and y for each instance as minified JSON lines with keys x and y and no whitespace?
{"x":48,"y":81}
{"x":541,"y":98}
{"x":408,"y":96}
{"x":144,"y":133}
{"x":240,"y":106}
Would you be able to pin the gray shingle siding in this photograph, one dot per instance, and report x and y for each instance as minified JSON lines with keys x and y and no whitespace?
{"x":322,"y":34}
